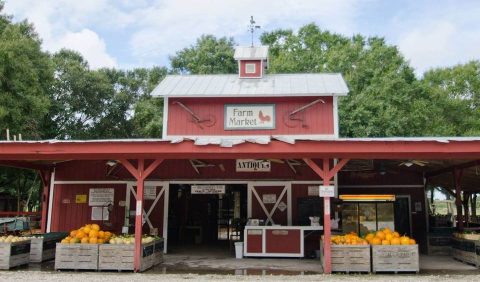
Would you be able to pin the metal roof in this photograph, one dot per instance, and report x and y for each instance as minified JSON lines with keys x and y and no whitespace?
{"x":305,"y":84}
{"x":251,"y":52}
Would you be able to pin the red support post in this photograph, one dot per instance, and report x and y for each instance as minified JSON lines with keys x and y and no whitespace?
{"x":45,"y":176}
{"x":326,"y":174}
{"x":457,"y":177}
{"x":140,"y":174}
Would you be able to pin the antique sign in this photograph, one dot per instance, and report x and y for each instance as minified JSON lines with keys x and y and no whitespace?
{"x":100,"y":196}
{"x":249,"y":165}
{"x":249,"y":116}
{"x":208,"y":189}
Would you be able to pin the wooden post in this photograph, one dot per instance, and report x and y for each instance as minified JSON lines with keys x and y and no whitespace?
{"x":457,"y":176}
{"x":140,"y":174}
{"x":326,"y":174}
{"x":45,"y":176}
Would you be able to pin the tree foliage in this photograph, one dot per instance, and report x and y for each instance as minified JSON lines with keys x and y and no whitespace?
{"x":208,"y":56}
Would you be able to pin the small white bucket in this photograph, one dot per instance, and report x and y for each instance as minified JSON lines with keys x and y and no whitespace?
{"x":238,"y":250}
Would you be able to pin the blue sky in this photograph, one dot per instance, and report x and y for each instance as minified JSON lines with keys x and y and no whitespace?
{"x":143,"y":33}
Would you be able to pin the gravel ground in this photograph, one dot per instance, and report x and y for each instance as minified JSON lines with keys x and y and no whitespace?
{"x":102,"y":276}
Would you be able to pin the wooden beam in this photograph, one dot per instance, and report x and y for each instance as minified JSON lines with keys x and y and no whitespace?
{"x":449,"y":169}
{"x":457,"y":178}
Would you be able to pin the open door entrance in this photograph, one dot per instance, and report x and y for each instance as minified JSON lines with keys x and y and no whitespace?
{"x":205,"y":217}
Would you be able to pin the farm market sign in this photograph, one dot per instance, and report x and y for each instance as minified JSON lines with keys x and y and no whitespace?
{"x":249,"y":116}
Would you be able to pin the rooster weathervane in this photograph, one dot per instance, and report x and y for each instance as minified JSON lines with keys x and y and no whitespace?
{"x":252,"y":27}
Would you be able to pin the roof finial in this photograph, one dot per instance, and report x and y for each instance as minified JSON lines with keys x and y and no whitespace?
{"x":252,"y":27}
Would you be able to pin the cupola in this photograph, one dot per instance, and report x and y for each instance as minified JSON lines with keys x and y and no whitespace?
{"x":252,"y":61}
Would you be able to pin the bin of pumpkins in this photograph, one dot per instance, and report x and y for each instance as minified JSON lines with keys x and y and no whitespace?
{"x":88,"y":234}
{"x":388,"y":237}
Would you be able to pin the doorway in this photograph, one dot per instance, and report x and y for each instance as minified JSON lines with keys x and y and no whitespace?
{"x":205,"y":220}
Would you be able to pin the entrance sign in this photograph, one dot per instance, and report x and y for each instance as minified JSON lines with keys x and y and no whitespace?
{"x":249,"y":116}
{"x":208,"y":189}
{"x":327,"y":191}
{"x":250,"y":165}
{"x":150,"y":192}
{"x":100,"y":196}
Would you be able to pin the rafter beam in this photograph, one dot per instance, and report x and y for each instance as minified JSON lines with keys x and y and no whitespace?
{"x":450,"y":169}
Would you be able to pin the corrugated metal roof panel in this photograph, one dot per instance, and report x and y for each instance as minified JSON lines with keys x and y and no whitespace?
{"x":251,"y":52}
{"x":313,"y":84}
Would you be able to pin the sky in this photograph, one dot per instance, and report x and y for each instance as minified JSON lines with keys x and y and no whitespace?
{"x":143,"y":33}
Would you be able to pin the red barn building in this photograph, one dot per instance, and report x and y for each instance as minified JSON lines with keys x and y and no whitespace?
{"x":245,"y":149}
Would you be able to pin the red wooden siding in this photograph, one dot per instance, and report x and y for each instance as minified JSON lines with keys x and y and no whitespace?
{"x":258,"y":69}
{"x":318,"y":118}
{"x":285,"y":241}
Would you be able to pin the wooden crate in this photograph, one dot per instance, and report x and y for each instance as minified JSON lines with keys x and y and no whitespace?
{"x":467,"y":251}
{"x":395,"y":258}
{"x":43,"y":248}
{"x":76,"y":256}
{"x":14,"y":254}
{"x":348,"y":258}
{"x":158,"y":247}
{"x":120,"y":257}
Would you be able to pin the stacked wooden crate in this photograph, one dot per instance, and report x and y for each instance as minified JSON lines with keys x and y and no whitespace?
{"x":467,"y":251}
{"x":120,"y":257}
{"x":158,"y":247}
{"x":14,"y":254}
{"x":395,"y":258}
{"x":348,"y":258}
{"x":76,"y":256}
{"x":43,"y":247}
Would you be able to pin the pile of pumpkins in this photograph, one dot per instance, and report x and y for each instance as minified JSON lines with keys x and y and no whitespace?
{"x":88,"y":234}
{"x":388,"y":237}
{"x":381,"y":237}
{"x":348,"y":239}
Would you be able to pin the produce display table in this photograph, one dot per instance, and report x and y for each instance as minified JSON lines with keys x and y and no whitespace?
{"x":395,"y":258}
{"x":276,"y":241}
{"x":467,"y":251}
{"x":43,"y":247}
{"x":14,"y":254}
{"x":348,"y":258}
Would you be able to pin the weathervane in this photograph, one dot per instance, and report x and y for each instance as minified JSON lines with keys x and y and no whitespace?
{"x":252,"y":27}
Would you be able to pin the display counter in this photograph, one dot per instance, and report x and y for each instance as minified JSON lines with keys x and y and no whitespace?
{"x":276,"y":241}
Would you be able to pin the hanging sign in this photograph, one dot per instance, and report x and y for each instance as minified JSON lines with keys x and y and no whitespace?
{"x":208,"y":189}
{"x":269,"y":198}
{"x":249,"y":116}
{"x":100,"y":196}
{"x":327,"y":191}
{"x":149,"y":192}
{"x":250,"y":165}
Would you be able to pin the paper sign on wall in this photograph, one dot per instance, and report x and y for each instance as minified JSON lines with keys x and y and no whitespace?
{"x":269,"y":198}
{"x":100,"y":196}
{"x":282,"y":206}
{"x":313,"y":190}
{"x":100,"y":213}
{"x":80,"y":199}
{"x":149,"y":192}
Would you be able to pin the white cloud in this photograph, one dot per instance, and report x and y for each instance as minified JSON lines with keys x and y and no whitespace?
{"x":90,"y":45}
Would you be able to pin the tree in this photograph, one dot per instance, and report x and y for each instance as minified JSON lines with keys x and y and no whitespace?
{"x":456,"y":90}
{"x":208,"y":56}
{"x":25,"y":77}
{"x":385,"y":98}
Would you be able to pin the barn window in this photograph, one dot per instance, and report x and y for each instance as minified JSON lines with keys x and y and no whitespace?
{"x":250,"y":68}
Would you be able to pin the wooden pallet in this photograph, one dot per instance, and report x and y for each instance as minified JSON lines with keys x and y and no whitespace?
{"x":14,"y":254}
{"x":76,"y":256}
{"x":395,"y":258}
{"x":121,"y":257}
{"x":348,"y":258}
